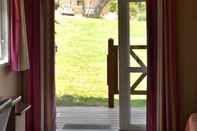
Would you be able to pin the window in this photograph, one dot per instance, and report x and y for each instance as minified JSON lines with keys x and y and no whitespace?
{"x":3,"y":31}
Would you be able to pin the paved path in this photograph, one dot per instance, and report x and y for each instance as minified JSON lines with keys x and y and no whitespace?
{"x":93,"y":118}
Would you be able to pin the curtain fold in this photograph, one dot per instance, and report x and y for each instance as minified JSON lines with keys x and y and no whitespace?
{"x":32,"y":77}
{"x":18,"y":45}
{"x":169,"y":114}
{"x":163,"y":92}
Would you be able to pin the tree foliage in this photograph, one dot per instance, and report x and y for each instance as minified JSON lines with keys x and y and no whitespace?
{"x":137,"y":9}
{"x":113,"y":6}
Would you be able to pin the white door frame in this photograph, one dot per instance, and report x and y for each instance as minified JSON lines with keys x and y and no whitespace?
{"x":124,"y":64}
{"x":124,"y":75}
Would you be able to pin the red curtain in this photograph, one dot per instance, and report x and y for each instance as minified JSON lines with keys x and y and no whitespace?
{"x":33,"y":76}
{"x":21,"y":33}
{"x":15,"y":25}
{"x":31,"y":46}
{"x":18,"y":50}
{"x":163,"y":92}
{"x":41,"y":76}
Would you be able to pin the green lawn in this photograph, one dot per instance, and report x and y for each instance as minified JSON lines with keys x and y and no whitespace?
{"x":81,"y":60}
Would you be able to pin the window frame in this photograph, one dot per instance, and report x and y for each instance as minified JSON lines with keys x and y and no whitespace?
{"x":4,"y":31}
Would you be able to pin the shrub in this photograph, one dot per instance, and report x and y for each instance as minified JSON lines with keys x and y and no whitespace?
{"x":113,"y":6}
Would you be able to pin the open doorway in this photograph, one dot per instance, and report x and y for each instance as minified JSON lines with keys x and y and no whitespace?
{"x":82,"y":33}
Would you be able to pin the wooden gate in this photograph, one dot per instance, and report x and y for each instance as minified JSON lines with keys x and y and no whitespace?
{"x":112,"y":71}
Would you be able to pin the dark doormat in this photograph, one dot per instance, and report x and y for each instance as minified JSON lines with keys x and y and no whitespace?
{"x":86,"y":126}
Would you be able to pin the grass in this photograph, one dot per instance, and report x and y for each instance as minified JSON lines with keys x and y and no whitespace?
{"x":70,"y":100}
{"x":81,"y":60}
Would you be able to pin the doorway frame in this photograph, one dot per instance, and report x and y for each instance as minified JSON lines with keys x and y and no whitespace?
{"x":123,"y":68}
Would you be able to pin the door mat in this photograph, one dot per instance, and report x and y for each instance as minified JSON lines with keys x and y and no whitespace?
{"x":86,"y":126}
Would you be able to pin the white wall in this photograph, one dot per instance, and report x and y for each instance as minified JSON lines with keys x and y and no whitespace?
{"x":9,"y":83}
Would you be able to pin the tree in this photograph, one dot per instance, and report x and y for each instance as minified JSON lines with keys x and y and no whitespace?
{"x":137,"y":9}
{"x":98,"y":8}
{"x":83,"y":7}
{"x":100,"y":5}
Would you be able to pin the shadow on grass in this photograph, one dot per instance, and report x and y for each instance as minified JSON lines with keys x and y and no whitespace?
{"x":68,"y":100}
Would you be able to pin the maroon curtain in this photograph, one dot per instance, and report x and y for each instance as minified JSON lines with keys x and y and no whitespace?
{"x":152,"y":64}
{"x":33,"y":76}
{"x":170,"y":89}
{"x":41,"y":76}
{"x":163,"y":92}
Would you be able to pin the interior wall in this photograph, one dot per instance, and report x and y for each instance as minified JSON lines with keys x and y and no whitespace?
{"x":187,"y":57}
{"x":9,"y":83}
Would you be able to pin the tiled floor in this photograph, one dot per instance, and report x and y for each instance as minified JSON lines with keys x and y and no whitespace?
{"x":91,"y":118}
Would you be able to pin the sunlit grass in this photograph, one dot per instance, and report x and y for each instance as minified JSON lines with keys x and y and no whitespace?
{"x":81,"y":59}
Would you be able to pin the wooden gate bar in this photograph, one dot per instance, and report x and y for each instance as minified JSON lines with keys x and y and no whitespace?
{"x":138,"y":47}
{"x":137,"y":69}
{"x":112,"y":72}
{"x":138,"y":60}
{"x":136,"y":83}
